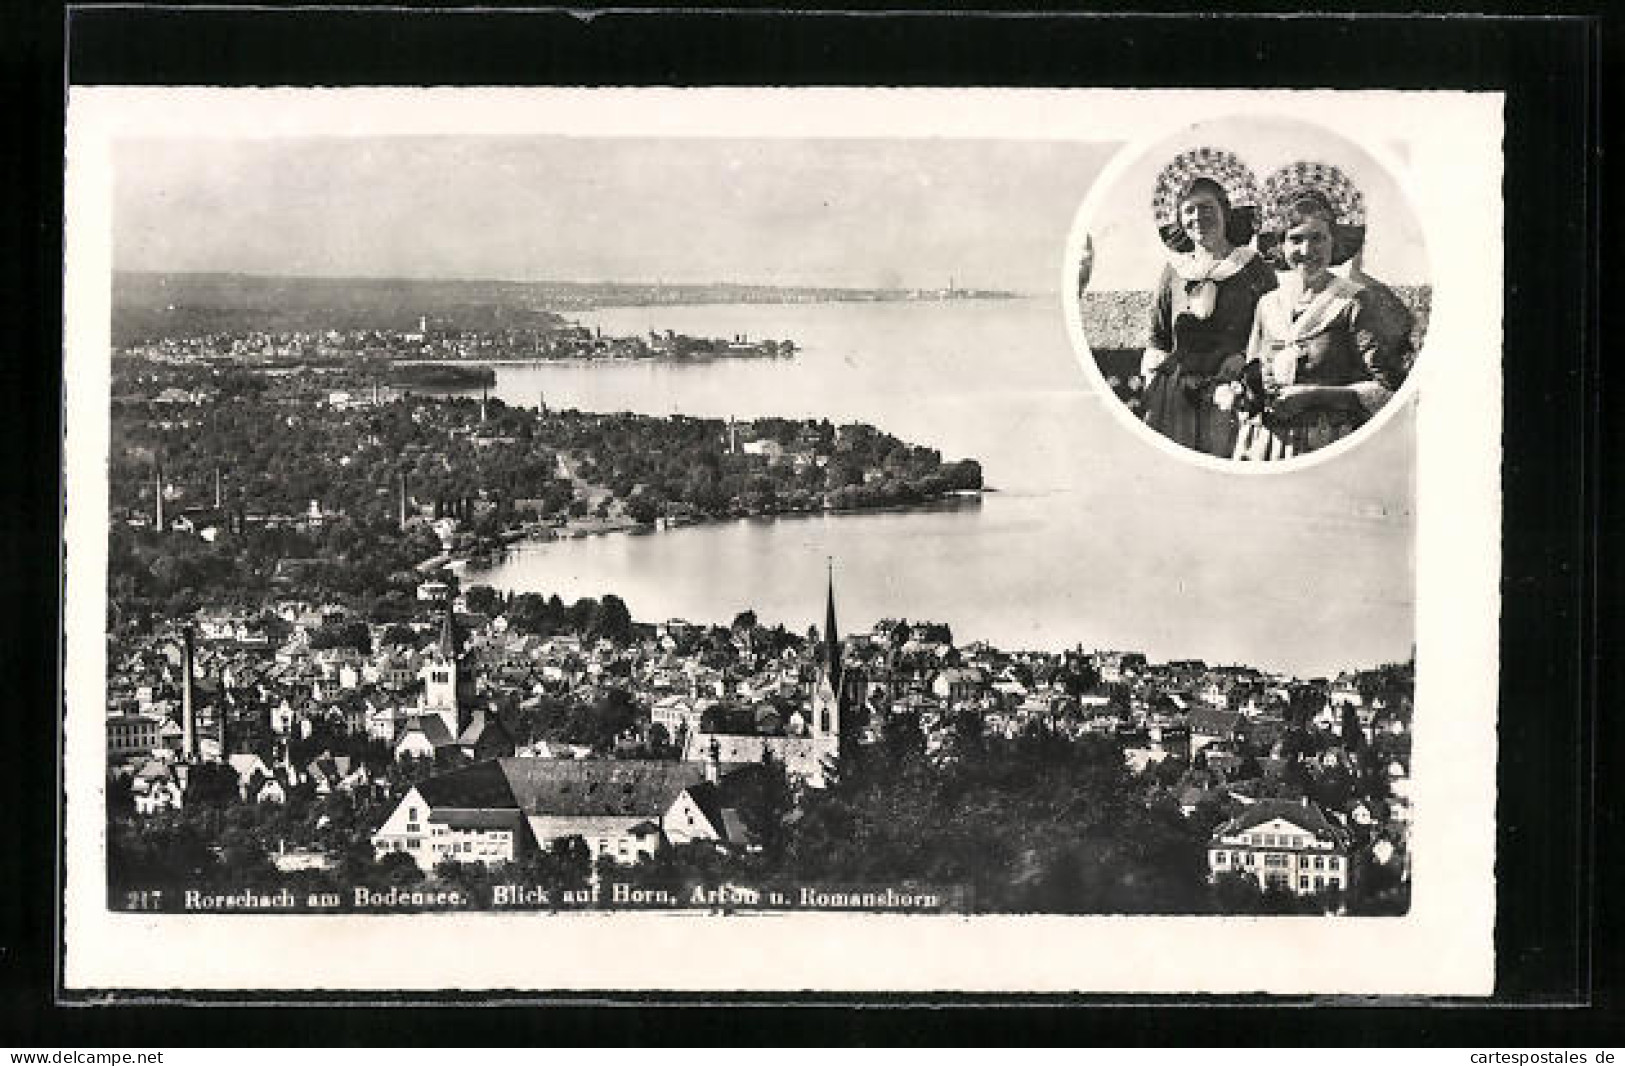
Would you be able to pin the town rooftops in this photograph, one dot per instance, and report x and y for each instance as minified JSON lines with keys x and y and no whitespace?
{"x":576,"y":788}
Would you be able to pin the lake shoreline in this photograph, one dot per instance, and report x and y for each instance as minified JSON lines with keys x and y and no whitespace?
{"x":583,"y":528}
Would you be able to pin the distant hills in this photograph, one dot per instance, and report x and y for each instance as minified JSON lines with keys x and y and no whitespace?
{"x":147,"y":306}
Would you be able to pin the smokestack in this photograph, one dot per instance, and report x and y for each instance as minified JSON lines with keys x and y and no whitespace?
{"x":403,"y":501}
{"x":188,"y":712}
{"x":217,"y":488}
{"x":158,"y":486}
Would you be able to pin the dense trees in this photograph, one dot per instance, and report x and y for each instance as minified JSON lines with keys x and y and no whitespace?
{"x":304,"y":498}
{"x":483,"y":599}
{"x":277,"y":448}
{"x":352,"y":634}
{"x":1036,"y":823}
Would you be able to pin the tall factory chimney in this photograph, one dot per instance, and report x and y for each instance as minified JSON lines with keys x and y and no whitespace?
{"x":158,"y":493}
{"x":188,"y":711}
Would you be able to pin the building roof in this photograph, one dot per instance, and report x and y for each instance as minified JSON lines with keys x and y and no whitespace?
{"x":155,"y":769}
{"x":578,"y":787}
{"x":1215,"y":721}
{"x":246,"y":763}
{"x":733,"y":826}
{"x":431,"y":726}
{"x":479,"y":724}
{"x":1302,"y":814}
{"x":572,"y":788}
{"x":482,"y":818}
{"x":480,"y":786}
{"x":329,"y":766}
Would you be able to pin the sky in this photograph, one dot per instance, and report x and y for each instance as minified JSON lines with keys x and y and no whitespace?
{"x":874,"y":212}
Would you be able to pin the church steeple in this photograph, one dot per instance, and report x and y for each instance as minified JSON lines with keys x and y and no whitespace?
{"x":448,"y":635}
{"x":448,"y":688}
{"x":832,"y":640}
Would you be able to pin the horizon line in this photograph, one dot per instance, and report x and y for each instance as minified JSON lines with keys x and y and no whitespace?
{"x":559,"y":281}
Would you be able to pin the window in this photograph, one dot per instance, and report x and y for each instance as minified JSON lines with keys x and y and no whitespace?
{"x":1303,"y":882}
{"x":1320,"y":882}
{"x":1334,"y":862}
{"x":1320,"y":863}
{"x":1249,"y":858}
{"x":411,"y":814}
{"x":1333,"y":883}
{"x":1219,"y":857}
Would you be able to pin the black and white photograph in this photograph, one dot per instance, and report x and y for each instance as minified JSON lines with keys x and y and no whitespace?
{"x":807,"y":518}
{"x":1291,"y":300}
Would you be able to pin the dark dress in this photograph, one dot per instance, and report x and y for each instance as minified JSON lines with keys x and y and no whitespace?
{"x":1202,"y":354}
{"x":1353,"y":333}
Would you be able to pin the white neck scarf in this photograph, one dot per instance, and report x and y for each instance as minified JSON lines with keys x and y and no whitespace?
{"x":1287,"y":334}
{"x":1203,"y":275}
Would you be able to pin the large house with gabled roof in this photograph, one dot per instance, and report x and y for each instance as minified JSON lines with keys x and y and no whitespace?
{"x":1283,"y":844}
{"x":502,"y":809}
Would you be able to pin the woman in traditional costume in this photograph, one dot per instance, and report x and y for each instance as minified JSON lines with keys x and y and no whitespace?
{"x":1326,"y":352}
{"x":1204,"y":205}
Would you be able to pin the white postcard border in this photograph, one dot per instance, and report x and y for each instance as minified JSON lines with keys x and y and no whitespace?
{"x":1452,"y":150}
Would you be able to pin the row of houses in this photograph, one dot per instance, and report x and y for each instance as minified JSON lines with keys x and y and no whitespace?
{"x":503,"y":810}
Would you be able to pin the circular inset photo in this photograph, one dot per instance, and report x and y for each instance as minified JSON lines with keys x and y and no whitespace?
{"x":1252,"y":292}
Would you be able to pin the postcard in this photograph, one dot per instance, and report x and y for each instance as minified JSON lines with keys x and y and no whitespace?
{"x":781,"y":539}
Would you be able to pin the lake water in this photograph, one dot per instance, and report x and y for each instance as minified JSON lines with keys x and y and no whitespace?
{"x":1094,"y":537}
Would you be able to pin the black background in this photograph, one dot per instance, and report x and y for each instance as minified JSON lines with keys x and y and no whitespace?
{"x":1558,"y":813}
